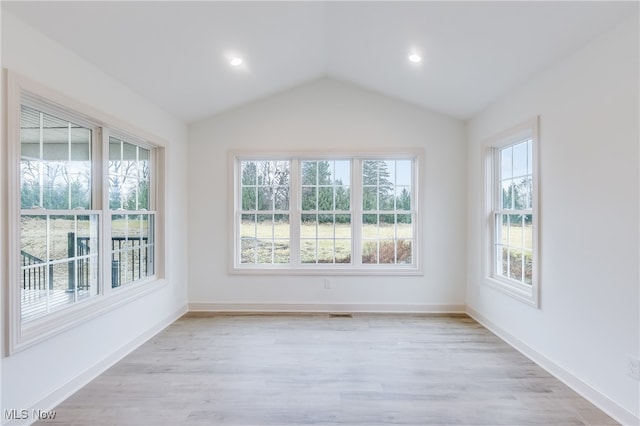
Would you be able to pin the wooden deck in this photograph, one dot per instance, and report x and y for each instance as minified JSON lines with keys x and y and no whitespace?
{"x":34,"y":303}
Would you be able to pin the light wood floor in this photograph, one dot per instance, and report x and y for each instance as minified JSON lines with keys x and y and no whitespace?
{"x":316,"y":369}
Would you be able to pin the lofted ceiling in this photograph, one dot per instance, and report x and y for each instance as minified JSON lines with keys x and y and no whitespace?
{"x":176,"y":54}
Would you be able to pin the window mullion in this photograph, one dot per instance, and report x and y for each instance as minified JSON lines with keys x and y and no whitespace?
{"x":295,"y":211}
{"x":356,"y":211}
{"x":101,"y":188}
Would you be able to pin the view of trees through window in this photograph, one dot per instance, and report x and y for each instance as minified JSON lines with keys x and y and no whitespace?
{"x":59,"y":249}
{"x":132,"y":237}
{"x":325,"y":228}
{"x":265,"y":234}
{"x":59,"y":244}
{"x":514,"y":218}
{"x":387,"y":230}
{"x":325,"y":211}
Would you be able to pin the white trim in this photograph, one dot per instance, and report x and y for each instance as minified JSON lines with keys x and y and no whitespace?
{"x":514,"y":289}
{"x":333,"y":270}
{"x":95,"y":116}
{"x":55,"y":323}
{"x":79,"y":381}
{"x":326,"y":307}
{"x":586,"y":390}
{"x":12,"y":159}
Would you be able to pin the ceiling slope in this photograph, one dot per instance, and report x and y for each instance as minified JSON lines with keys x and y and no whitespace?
{"x":176,"y":54}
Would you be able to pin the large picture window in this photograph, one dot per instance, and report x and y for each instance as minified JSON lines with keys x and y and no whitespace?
{"x":330,"y":213}
{"x":512,"y":217}
{"x":82,"y":213}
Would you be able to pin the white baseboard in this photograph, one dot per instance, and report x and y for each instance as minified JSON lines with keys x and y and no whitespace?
{"x":325,"y":307}
{"x":587,"y":391}
{"x":55,"y":398}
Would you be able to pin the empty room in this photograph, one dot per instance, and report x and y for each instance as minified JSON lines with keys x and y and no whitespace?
{"x":320,"y":212}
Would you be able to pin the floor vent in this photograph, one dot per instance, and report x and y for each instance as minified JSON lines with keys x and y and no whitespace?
{"x":340,"y":315}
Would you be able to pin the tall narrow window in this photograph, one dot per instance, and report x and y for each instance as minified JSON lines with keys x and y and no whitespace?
{"x":513,"y":244}
{"x":59,"y":248}
{"x":512,"y":220}
{"x":132,"y":215}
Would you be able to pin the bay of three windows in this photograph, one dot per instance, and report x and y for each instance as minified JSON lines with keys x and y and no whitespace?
{"x":354,"y":211}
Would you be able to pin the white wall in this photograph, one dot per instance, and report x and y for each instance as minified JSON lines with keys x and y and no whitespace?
{"x":325,"y":115}
{"x":39,"y":374}
{"x":589,"y":320}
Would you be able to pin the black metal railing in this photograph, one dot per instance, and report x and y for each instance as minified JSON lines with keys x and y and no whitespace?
{"x":35,"y":278}
{"x":130,"y":251}
{"x":136,"y":252}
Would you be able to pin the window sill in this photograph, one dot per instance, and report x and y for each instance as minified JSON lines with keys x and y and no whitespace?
{"x":520,"y":292}
{"x":408,"y":270}
{"x":43,"y":328}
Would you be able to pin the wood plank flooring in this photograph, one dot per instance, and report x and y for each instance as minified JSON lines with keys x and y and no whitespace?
{"x":314,"y":369}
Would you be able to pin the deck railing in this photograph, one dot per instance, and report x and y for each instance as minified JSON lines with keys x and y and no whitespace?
{"x":135,"y":249}
{"x":35,"y":278}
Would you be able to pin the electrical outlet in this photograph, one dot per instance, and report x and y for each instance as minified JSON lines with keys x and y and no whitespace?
{"x":327,"y":284}
{"x":633,"y":367}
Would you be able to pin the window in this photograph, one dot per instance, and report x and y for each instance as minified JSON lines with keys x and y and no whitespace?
{"x":59,"y":249}
{"x":325,"y":213}
{"x":512,"y":217}
{"x":84,"y":213}
{"x":132,"y":221}
{"x":387,"y":231}
{"x":325,"y":217}
{"x":264,"y":225}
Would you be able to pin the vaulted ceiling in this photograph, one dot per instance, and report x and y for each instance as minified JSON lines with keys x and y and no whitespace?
{"x":176,"y":54}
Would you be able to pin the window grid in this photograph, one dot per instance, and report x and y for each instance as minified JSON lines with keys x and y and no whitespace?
{"x":513,"y":243}
{"x":387,"y":219}
{"x":265,"y":212}
{"x":324,"y":216}
{"x":57,"y":256}
{"x":61,"y":261}
{"x":60,"y":269}
{"x":325,"y":219}
{"x":58,"y":217}
{"x":131,"y":219}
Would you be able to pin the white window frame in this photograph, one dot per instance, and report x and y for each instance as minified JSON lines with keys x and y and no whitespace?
{"x":21,"y":336}
{"x":354,"y":268}
{"x":528,"y":294}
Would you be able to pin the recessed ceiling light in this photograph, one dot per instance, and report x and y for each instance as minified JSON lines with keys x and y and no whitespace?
{"x":235,"y":61}
{"x":415,"y":58}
